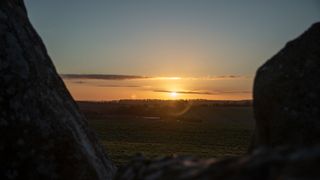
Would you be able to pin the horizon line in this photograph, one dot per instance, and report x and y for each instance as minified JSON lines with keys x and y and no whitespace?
{"x":155,"y":99}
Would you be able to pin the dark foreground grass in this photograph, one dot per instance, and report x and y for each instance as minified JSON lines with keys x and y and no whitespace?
{"x":222,"y":131}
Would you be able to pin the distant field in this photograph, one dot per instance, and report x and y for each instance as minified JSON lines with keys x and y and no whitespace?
{"x":203,"y":131}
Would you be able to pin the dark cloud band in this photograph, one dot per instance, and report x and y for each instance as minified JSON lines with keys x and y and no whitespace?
{"x":204,"y":92}
{"x":101,"y":76}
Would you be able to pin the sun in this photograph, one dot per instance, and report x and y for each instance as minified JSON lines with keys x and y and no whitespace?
{"x":173,"y":94}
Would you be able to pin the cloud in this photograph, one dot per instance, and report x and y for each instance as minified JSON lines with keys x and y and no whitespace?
{"x":101,"y":76}
{"x":228,"y":77}
{"x":113,"y":85}
{"x":133,"y":77}
{"x":79,"y":82}
{"x":96,"y":84}
{"x":221,"y":77}
{"x":204,"y":92}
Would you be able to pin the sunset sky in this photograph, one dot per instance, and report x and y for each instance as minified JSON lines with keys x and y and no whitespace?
{"x":166,"y":49}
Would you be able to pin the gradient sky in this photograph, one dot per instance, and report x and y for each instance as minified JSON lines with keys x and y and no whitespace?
{"x":185,"y":38}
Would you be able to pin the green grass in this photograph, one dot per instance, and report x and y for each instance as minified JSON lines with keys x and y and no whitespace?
{"x":223,"y":131}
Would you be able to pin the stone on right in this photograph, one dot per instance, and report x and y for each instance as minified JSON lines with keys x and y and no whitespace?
{"x":287,"y":95}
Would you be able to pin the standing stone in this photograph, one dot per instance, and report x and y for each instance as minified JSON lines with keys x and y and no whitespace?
{"x":287,"y":94}
{"x":42,"y":133}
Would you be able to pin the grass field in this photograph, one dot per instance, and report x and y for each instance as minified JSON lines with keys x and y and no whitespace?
{"x":217,"y":132}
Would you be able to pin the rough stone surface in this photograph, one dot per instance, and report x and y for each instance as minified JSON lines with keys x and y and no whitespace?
{"x":263,"y":164}
{"x":42,"y":133}
{"x":287,"y":94}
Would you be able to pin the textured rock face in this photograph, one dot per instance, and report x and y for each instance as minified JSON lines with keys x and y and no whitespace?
{"x":42,"y":133}
{"x":287,"y":94}
{"x":264,"y":164}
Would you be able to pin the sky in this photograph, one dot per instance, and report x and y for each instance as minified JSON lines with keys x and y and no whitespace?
{"x":199,"y":41}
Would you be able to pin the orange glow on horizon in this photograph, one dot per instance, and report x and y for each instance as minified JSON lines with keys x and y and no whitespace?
{"x":167,"y":78}
{"x":168,"y":88}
